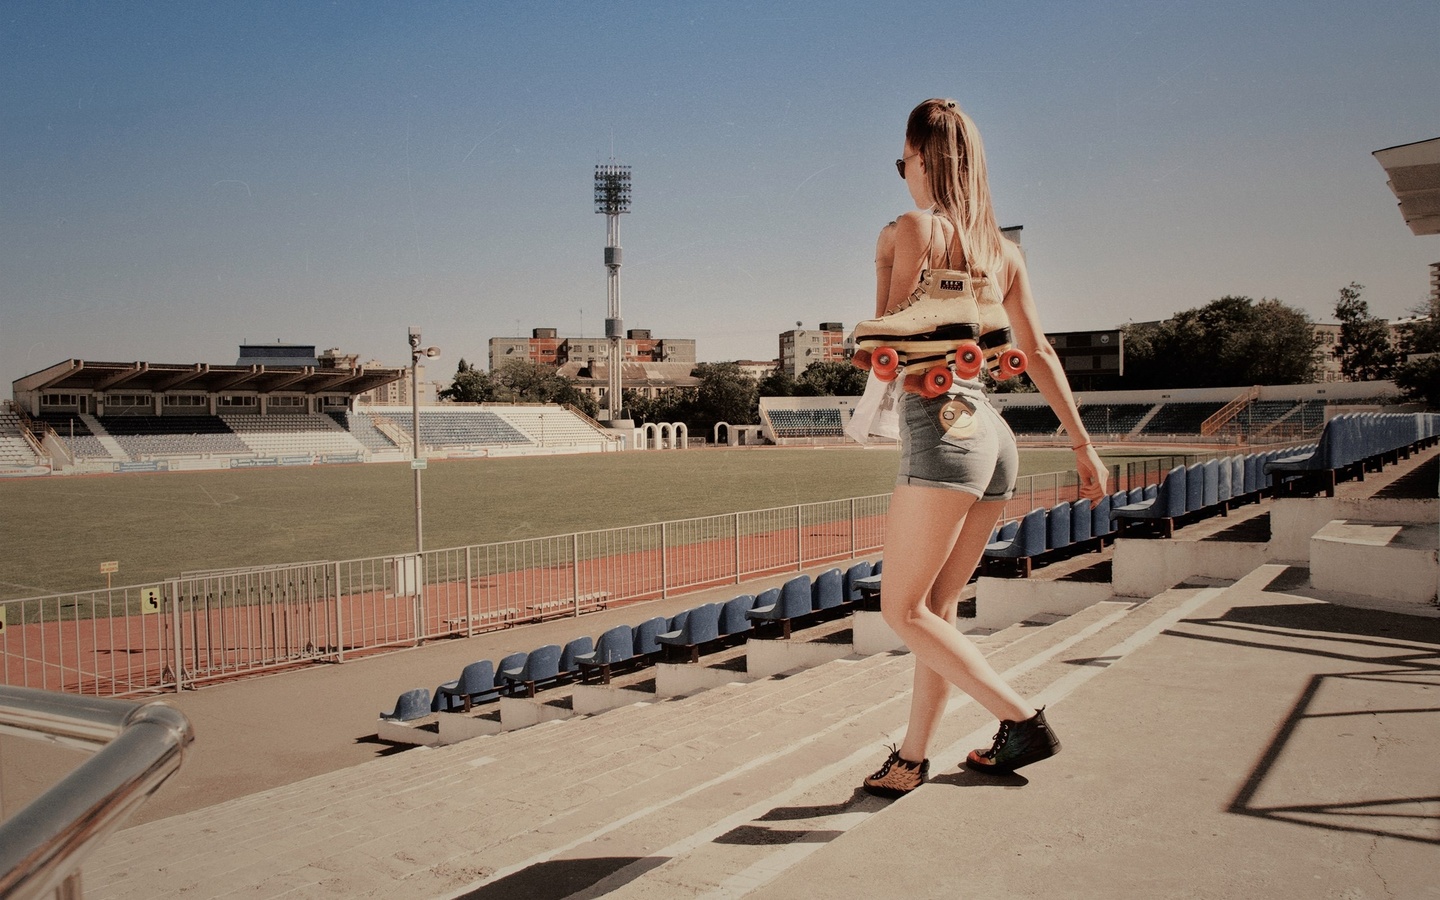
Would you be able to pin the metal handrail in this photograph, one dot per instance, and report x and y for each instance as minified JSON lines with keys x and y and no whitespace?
{"x":138,"y":746}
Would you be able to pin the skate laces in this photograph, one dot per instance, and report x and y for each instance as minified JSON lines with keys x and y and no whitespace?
{"x":1000,"y":738}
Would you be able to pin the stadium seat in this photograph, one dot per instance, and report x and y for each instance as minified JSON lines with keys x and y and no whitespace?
{"x":570,"y":656}
{"x":1057,"y":527}
{"x":1080,"y":521}
{"x":1210,"y":470}
{"x":541,"y":665}
{"x":476,"y":681}
{"x":853,"y":574}
{"x":828,"y":591}
{"x":732,"y":615}
{"x":1194,"y":487}
{"x":1019,"y":541}
{"x":645,"y":644}
{"x":1168,"y":504}
{"x":701,"y":626}
{"x":409,"y":706}
{"x":615,"y":646}
{"x":793,"y":603}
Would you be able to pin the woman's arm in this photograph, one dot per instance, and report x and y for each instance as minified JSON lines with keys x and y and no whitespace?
{"x":1045,"y":370}
{"x":901,"y":254}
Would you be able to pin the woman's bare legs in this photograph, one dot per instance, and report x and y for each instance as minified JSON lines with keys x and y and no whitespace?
{"x":934,"y":539}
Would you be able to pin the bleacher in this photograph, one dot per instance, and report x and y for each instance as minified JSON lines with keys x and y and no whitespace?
{"x":549,"y":426}
{"x":15,"y":450}
{"x":298,"y":434}
{"x":1030,"y":419}
{"x":362,"y":427}
{"x":76,"y":434}
{"x":802,"y":423}
{"x":1180,"y":418}
{"x":164,"y":436}
{"x":1117,"y":418}
{"x":459,"y":428}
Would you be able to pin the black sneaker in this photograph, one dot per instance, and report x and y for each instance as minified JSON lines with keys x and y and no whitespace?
{"x":897,"y":777}
{"x":1016,"y":744}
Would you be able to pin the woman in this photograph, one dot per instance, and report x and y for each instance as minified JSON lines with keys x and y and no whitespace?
{"x":953,"y":485}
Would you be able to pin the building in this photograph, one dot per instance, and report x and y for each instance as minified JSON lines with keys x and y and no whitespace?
{"x":547,"y":347}
{"x":757,"y":369}
{"x":645,"y":379}
{"x":801,"y":347}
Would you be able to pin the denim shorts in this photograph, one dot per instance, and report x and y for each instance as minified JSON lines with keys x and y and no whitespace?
{"x":977,"y":455}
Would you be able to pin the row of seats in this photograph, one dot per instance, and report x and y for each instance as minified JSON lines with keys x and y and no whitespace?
{"x":1351,"y":444}
{"x":710,"y":624}
{"x":799,"y":423}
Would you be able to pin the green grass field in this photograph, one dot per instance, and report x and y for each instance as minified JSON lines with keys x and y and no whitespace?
{"x":56,"y":531}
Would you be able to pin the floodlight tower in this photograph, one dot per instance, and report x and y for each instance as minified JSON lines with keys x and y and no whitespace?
{"x":612,"y":197}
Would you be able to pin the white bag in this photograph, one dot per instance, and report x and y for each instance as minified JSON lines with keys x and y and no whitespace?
{"x":876,"y":416}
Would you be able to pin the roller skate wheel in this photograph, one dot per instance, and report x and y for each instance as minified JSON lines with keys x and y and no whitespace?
{"x":936,"y":382}
{"x":885,"y":362}
{"x":969,"y":360}
{"x":1012,"y":363}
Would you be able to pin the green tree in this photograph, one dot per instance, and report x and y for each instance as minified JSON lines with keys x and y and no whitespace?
{"x":1229,"y":342}
{"x":725,"y":394}
{"x":837,"y":378}
{"x":1419,"y":380}
{"x":1364,"y":348}
{"x":470,"y":385}
{"x":777,"y":383}
{"x":522,"y":381}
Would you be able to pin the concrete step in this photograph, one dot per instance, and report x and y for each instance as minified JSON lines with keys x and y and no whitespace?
{"x":1390,"y":560}
{"x":426,"y":815}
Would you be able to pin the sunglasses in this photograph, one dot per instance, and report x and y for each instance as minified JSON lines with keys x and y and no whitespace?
{"x":900,"y":163}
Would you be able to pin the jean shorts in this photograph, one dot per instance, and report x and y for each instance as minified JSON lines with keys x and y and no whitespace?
{"x":975,"y":454}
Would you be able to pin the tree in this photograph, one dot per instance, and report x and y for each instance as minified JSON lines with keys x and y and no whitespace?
{"x":470,"y":385}
{"x":1419,"y":381}
{"x":831,"y":378}
{"x":1229,"y":342}
{"x":1364,"y":348}
{"x":777,"y":383}
{"x":522,"y":381}
{"x":725,"y":394}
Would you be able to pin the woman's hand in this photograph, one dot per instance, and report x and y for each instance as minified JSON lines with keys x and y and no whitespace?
{"x":1093,"y":473}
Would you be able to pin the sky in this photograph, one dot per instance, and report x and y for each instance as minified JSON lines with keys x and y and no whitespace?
{"x":178,"y":178}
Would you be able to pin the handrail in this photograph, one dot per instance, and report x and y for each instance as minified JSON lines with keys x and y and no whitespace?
{"x":139,"y":746}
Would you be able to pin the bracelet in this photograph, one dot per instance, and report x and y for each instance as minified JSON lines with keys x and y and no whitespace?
{"x":1078,"y":446}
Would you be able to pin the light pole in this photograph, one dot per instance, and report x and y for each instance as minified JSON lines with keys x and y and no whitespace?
{"x":417,"y":462}
{"x":612,"y":199}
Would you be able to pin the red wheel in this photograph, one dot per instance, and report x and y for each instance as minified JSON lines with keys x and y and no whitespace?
{"x":884,"y":363}
{"x":1012,"y":363}
{"x":969,"y":359}
{"x":936,"y":382}
{"x":861,"y":359}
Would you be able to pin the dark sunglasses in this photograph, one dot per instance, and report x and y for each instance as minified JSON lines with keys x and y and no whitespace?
{"x":900,"y":164}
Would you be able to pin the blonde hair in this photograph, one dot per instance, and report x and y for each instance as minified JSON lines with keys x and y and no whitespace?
{"x":949,"y":144}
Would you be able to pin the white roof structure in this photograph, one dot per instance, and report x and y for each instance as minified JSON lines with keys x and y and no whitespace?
{"x":1414,"y":173}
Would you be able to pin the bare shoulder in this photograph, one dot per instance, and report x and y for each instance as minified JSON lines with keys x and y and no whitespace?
{"x":1014,"y":259}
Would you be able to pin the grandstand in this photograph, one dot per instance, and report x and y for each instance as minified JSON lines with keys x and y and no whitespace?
{"x":81,"y":416}
{"x":1261,"y":415}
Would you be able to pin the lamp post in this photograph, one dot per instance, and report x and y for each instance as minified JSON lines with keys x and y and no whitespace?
{"x":417,"y":462}
{"x":612,"y":199}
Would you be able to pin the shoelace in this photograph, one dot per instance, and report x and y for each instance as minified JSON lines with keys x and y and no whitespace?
{"x":890,"y":761}
{"x":1000,"y":738}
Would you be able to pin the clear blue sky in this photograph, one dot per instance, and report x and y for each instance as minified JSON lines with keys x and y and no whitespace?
{"x":179,"y":177}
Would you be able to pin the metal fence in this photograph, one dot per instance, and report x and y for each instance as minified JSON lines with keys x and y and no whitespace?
{"x":203,"y":626}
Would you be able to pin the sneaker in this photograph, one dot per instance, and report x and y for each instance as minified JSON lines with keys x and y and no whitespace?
{"x":1016,"y":744}
{"x":897,"y":777}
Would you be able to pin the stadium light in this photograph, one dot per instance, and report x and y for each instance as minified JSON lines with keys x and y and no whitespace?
{"x":612,"y":199}
{"x":417,"y":463}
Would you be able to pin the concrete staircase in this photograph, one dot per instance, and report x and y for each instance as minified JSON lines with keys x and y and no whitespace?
{"x":651,"y":789}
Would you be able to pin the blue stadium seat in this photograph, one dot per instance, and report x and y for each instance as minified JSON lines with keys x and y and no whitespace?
{"x":645,"y":632}
{"x":828,"y":591}
{"x":701,"y":626}
{"x":1025,"y":541}
{"x":1057,"y":527}
{"x":476,"y":683}
{"x":853,"y":574}
{"x":732,"y":615}
{"x":541,"y":665}
{"x":409,"y":706}
{"x":570,"y":656}
{"x":792,"y":603}
{"x":615,"y":646}
{"x":1169,"y":503}
{"x":1080,"y":521}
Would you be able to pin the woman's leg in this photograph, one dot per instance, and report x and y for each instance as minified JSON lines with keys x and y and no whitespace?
{"x":931,"y":691}
{"x":923,"y":531}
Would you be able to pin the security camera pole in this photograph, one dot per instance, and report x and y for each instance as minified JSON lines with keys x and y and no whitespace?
{"x":417,"y":462}
{"x":612,"y":197}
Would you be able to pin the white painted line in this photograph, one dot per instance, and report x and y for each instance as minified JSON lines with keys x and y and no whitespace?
{"x":706,"y":835}
{"x":777,"y":863}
